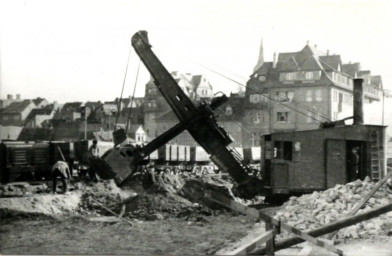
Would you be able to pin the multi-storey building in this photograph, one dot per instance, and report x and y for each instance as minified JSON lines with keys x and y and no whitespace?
{"x":195,"y":87}
{"x":298,"y":90}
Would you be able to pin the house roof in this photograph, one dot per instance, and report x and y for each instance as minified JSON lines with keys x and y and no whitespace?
{"x":71,"y":106}
{"x":38,"y":101}
{"x":66,"y":131}
{"x":330,"y":62}
{"x":264,"y":69}
{"x":237,"y":104}
{"x":92,"y":104}
{"x":16,"y":107}
{"x":376,"y":80}
{"x":40,"y":111}
{"x":351,"y":69}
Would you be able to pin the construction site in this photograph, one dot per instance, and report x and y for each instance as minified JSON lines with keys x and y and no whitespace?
{"x":303,"y":197}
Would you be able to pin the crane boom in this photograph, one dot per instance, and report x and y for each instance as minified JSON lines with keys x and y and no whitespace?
{"x":198,"y":120}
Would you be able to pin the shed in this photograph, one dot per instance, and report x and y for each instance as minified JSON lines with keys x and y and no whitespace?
{"x":305,"y":161}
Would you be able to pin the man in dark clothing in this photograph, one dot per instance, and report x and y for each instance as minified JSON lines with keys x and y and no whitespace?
{"x":60,"y":169}
{"x":93,"y":154}
{"x":353,"y":165}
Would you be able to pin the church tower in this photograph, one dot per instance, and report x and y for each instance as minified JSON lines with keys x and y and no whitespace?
{"x":260,"y":61}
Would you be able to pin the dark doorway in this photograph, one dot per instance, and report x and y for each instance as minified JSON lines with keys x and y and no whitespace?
{"x":356,"y":160}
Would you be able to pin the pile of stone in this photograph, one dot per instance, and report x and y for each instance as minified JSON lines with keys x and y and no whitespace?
{"x":320,"y":208}
{"x":15,"y":189}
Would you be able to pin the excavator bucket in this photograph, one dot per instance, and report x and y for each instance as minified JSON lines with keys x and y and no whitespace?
{"x":119,"y":136}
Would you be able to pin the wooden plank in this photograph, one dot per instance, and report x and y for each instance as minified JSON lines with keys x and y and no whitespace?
{"x":364,"y":200}
{"x":270,"y":245}
{"x":311,"y":239}
{"x":249,"y":246}
{"x":220,"y":199}
{"x":331,"y":227}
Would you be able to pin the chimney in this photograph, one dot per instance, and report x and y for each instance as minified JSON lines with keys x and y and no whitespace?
{"x":315,"y":46}
{"x":9,"y":96}
{"x":307,"y":42}
{"x":18,"y":96}
{"x":327,"y":52}
{"x":358,"y":101}
{"x":275,"y":61}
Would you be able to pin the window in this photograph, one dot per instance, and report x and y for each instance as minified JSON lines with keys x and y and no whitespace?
{"x":257,"y":117}
{"x":254,"y":98}
{"x":283,"y":150}
{"x":291,"y":76}
{"x":309,"y":117}
{"x":282,"y":117}
{"x":319,"y":95}
{"x":284,"y":96}
{"x":152,"y":90}
{"x":308,"y":75}
{"x":152,"y":104}
{"x":261,"y":78}
{"x":229,"y":111}
{"x":309,"y":95}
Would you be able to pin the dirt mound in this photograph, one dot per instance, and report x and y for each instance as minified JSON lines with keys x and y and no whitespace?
{"x":320,"y":208}
{"x":42,"y":204}
{"x":22,"y":189}
{"x":96,"y":196}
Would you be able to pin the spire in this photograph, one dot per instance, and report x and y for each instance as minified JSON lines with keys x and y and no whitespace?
{"x":260,"y":61}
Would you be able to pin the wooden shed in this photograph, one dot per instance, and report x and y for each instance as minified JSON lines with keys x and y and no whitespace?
{"x":298,"y":162}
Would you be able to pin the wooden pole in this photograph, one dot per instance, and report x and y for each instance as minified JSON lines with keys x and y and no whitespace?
{"x":363,"y":202}
{"x":330,"y":228}
{"x":107,"y":209}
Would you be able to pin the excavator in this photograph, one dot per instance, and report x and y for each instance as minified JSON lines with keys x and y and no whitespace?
{"x":199,"y":120}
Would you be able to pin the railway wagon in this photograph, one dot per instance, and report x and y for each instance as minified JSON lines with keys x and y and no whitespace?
{"x":20,"y":161}
{"x":300,"y":162}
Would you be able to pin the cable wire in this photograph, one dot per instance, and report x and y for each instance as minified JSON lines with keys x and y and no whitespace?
{"x":133,"y":97}
{"x":122,"y":90}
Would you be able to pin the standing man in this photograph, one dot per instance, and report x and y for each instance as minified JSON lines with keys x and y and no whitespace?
{"x":60,"y":169}
{"x":353,"y":165}
{"x":93,"y":154}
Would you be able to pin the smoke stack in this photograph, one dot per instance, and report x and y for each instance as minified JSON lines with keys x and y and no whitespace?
{"x":9,"y":96}
{"x":327,"y":52}
{"x":18,"y":96}
{"x":358,"y":101}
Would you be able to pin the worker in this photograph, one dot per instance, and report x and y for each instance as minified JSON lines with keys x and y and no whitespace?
{"x":60,"y":169}
{"x":149,"y":176}
{"x":93,"y":154}
{"x":353,"y":165}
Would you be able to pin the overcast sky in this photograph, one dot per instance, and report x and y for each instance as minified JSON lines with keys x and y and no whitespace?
{"x":77,"y":50}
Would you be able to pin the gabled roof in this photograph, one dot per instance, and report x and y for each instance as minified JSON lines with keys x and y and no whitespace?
{"x":71,"y":106}
{"x":376,"y":80}
{"x":351,"y":69}
{"x":38,"y":101}
{"x":92,"y":104}
{"x":264,"y":69}
{"x":364,"y":73}
{"x":330,"y":62}
{"x":16,"y":107}
{"x":40,"y":111}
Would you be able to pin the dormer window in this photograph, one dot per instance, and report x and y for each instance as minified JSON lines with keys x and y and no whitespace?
{"x":229,"y":111}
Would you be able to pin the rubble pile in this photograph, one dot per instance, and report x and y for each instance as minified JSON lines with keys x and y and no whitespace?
{"x":164,"y":199}
{"x":22,"y":189}
{"x":320,"y":208}
{"x":106,"y":193}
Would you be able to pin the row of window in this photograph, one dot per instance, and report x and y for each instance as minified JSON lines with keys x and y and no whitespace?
{"x":6,"y":118}
{"x":300,"y":76}
{"x":287,"y":96}
{"x":342,"y":79}
{"x":314,"y":95}
{"x":256,"y":98}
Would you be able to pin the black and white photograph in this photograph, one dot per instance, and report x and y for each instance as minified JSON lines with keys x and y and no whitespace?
{"x":196,"y":127}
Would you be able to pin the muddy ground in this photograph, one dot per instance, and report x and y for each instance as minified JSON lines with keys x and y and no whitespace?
{"x":77,"y":235}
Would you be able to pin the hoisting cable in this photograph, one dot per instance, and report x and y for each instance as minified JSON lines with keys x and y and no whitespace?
{"x":133,"y":97}
{"x":122,"y":90}
{"x":258,"y":92}
{"x":268,"y":97}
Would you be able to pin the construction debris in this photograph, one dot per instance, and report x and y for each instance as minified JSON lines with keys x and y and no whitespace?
{"x":312,"y":211}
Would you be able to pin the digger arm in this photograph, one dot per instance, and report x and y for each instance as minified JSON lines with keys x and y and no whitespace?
{"x":203,"y":128}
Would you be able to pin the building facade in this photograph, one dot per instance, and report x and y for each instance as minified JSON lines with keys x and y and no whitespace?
{"x":298,"y":90}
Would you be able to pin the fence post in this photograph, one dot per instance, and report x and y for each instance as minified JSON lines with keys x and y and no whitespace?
{"x":270,"y":245}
